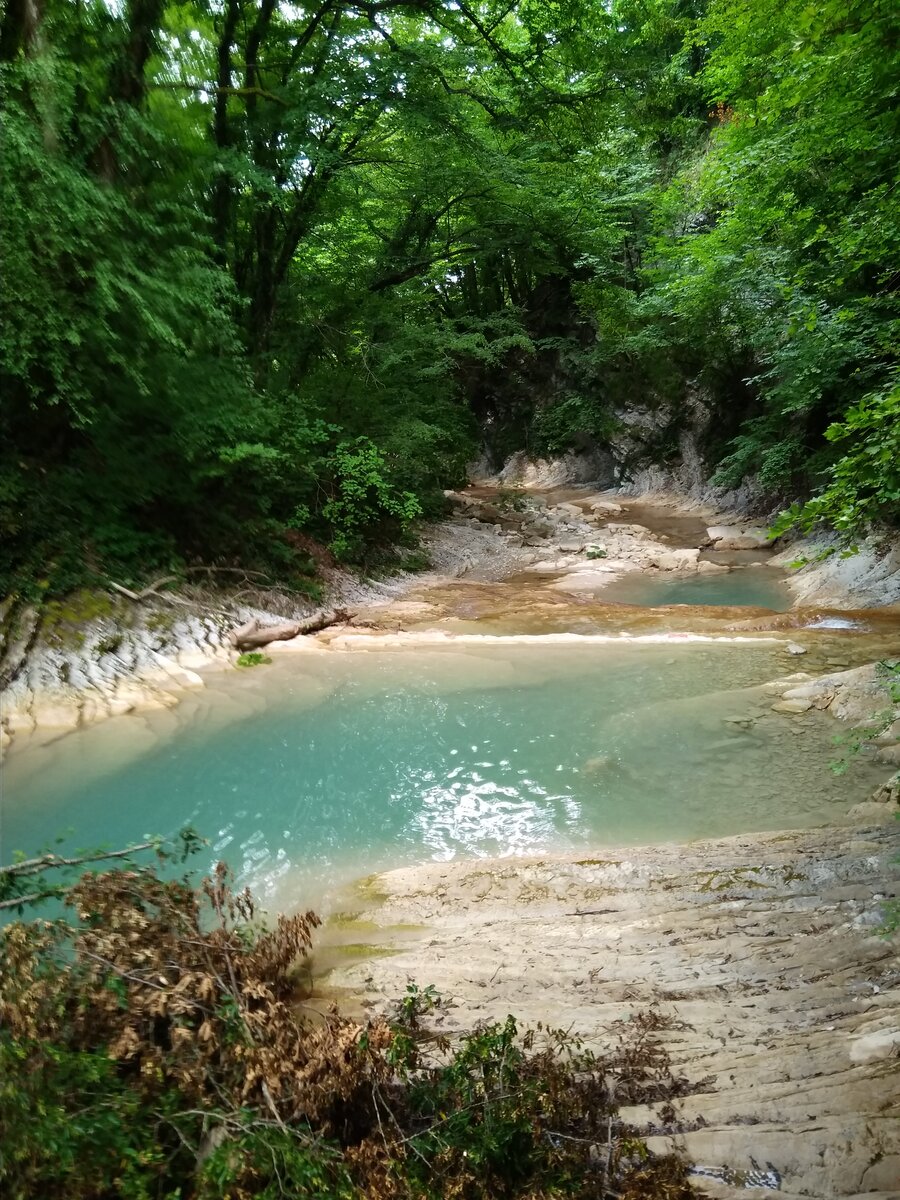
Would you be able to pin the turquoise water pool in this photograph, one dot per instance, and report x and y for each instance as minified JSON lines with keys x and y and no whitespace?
{"x":757,"y":587}
{"x":327,"y":766}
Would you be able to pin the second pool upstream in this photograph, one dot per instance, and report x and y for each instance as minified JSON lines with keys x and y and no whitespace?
{"x":757,"y":587}
{"x":326,"y":766}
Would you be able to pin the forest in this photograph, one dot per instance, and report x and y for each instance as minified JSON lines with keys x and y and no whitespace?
{"x":274,"y":273}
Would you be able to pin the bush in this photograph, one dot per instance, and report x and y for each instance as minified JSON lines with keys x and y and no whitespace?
{"x":152,"y":1047}
{"x":252,"y":658}
{"x":365,"y":504}
{"x":864,"y":483}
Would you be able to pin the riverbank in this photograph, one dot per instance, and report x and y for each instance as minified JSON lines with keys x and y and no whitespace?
{"x":508,"y":560}
{"x":779,"y":999}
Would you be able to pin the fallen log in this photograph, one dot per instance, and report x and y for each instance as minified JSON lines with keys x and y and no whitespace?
{"x":254,"y":636}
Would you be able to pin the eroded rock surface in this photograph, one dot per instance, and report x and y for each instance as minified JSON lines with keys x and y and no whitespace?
{"x":764,"y":949}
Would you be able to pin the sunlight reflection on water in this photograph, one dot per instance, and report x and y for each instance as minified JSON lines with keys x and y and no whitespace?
{"x":410,"y":755}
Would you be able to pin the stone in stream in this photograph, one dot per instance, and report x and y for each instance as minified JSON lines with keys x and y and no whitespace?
{"x":597,"y":764}
{"x":711,"y":568}
{"x":738,"y":722}
{"x":618,"y":527}
{"x":735,"y":537}
{"x":677,"y":560}
{"x":795,"y":648}
{"x":792,"y":707}
{"x":585,"y":581}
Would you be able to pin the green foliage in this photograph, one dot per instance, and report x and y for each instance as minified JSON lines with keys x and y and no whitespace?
{"x":77,"y":1119}
{"x":570,"y":421}
{"x":274,"y":1165}
{"x":365,"y":503}
{"x":782,"y":280}
{"x":864,"y":483}
{"x":50,"y":876}
{"x":852,"y":743}
{"x":232,"y":314}
{"x":252,"y":658}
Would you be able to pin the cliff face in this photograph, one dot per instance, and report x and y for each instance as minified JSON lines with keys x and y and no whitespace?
{"x":656,"y":446}
{"x":668,"y":448}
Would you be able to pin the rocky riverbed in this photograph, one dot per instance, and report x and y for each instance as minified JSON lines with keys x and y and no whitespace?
{"x":780,"y":998}
{"x":552,"y":554}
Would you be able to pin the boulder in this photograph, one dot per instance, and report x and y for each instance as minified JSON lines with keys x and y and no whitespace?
{"x":584,"y":581}
{"x":607,"y":508}
{"x":738,"y":537}
{"x":677,"y":560}
{"x":795,"y":648}
{"x":819,"y":694}
{"x":618,"y":527}
{"x":711,"y":568}
{"x":792,"y":707}
{"x":889,"y":792}
{"x":538,"y":527}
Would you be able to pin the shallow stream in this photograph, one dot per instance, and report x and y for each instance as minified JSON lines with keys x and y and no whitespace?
{"x":552,"y":721}
{"x":324,"y":766}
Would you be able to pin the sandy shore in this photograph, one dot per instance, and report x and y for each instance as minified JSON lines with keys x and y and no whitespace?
{"x":765,"y":949}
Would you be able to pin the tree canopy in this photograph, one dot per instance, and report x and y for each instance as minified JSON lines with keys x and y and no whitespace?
{"x":273,"y":273}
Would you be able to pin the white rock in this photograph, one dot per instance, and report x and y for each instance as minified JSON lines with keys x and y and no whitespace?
{"x":607,"y":508}
{"x":583,"y":581}
{"x":18,"y":721}
{"x":711,"y":568}
{"x":94,"y":708}
{"x":795,"y":648}
{"x":794,"y":707}
{"x":55,"y":714}
{"x":191,"y":659}
{"x":137,"y":697}
{"x":305,"y":644}
{"x":677,"y":560}
{"x":872,"y":1046}
{"x":736,"y":537}
{"x":806,"y":691}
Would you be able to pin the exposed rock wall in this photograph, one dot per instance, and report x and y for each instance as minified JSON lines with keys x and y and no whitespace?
{"x":866,"y":579}
{"x":596,"y":466}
